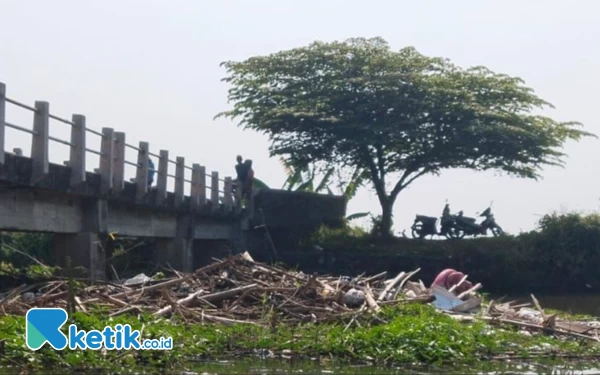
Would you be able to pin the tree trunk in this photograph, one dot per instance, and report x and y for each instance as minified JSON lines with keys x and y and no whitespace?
{"x":386,"y":218}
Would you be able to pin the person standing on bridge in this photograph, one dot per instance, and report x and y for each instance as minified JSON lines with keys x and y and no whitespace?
{"x":240,"y":170}
{"x":245,"y":178}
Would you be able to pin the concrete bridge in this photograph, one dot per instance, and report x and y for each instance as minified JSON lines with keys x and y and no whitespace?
{"x":84,"y":204}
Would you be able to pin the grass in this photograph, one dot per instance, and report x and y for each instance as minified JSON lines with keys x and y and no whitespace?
{"x":414,"y":334}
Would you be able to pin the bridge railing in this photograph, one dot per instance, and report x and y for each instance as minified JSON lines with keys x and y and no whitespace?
{"x":113,"y":158}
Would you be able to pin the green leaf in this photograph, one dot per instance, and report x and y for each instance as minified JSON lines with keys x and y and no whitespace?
{"x":306,"y":186}
{"x":357,"y":215}
{"x":325,"y":181}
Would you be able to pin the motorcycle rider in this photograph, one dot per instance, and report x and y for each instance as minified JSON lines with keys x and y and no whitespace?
{"x":446,"y":221}
{"x":446,"y":211}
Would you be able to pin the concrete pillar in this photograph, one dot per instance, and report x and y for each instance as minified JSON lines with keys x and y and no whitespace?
{"x":214,"y":191}
{"x":77,"y":152}
{"x":88,"y":248}
{"x":107,"y":160}
{"x":202,"y":177}
{"x":196,"y":187}
{"x":228,"y":198}
{"x":85,"y":250}
{"x":179,"y":180}
{"x":39,"y":142}
{"x":178,"y":251}
{"x":161,"y":177}
{"x":119,"y":163}
{"x":141,"y":175}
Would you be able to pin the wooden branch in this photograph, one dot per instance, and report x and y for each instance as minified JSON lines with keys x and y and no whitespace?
{"x":538,"y":327}
{"x":165,"y":284}
{"x":375,"y":277}
{"x":537,"y":305}
{"x":472,"y":290}
{"x":451,"y":290}
{"x":389,"y":287}
{"x":227,"y":293}
{"x":126,"y":310}
{"x":113,"y":300}
{"x":183,"y":302}
{"x":404,"y":280}
{"x":370,"y":299}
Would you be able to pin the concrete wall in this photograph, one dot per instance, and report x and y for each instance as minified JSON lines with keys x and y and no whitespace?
{"x":288,"y":216}
{"x":290,"y":209}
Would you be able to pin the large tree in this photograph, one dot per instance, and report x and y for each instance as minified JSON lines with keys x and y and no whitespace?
{"x":397,"y":115}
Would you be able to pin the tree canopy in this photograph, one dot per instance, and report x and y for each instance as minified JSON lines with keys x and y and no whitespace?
{"x":399,"y":114}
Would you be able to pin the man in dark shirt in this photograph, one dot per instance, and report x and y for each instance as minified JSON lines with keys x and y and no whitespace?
{"x":242,"y":173}
{"x":241,"y":170}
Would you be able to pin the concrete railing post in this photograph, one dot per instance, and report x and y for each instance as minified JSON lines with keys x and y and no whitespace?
{"x":202,"y":183}
{"x":2,"y":120}
{"x":107,"y":148}
{"x":161,"y":178}
{"x":119,"y":163}
{"x":77,"y":154}
{"x":195,"y":202}
{"x":214,"y":191}
{"x":228,"y":198}
{"x":39,"y":142}
{"x":141,"y":175}
{"x":179,"y":180}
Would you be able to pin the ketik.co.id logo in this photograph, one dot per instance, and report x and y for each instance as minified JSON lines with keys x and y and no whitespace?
{"x":44,"y":324}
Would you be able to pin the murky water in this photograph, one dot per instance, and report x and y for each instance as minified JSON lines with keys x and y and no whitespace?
{"x":281,"y":367}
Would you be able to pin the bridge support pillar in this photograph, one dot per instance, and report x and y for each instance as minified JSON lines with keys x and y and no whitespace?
{"x":177,"y":252}
{"x":85,"y":249}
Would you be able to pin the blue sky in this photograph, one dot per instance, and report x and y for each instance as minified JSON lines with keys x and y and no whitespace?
{"x":151,"y":69}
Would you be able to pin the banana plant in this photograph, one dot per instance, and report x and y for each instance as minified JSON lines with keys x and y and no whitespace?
{"x":302,"y":178}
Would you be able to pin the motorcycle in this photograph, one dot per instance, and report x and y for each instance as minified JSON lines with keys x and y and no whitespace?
{"x":468,"y":226}
{"x":455,"y":226}
{"x":427,"y":225}
{"x":424,"y":226}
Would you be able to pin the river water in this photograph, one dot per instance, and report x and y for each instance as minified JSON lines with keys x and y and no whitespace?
{"x":282,"y":367}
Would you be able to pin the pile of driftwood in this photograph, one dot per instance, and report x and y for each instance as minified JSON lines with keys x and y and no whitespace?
{"x":240,"y":290}
{"x":234,"y":290}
